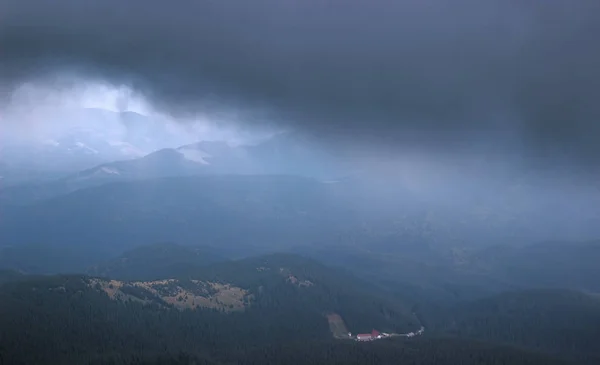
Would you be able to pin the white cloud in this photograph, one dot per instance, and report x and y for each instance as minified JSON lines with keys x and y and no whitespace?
{"x":41,"y":111}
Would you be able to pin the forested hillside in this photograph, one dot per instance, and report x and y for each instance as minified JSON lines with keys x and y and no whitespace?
{"x":453,"y":273}
{"x":273,"y":309}
{"x":561,"y":322}
{"x":251,"y":215}
{"x":266,"y":211}
{"x":426,"y":351}
{"x":44,"y":258}
{"x":65,"y":320}
{"x":156,"y":261}
{"x":552,"y":264}
{"x":440,"y":351}
{"x":281,"y":299}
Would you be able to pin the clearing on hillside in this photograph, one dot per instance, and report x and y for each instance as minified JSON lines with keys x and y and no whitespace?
{"x":189,"y":295}
{"x":337,"y":326}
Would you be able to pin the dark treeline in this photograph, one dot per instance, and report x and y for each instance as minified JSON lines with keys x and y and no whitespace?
{"x":63,"y":317}
{"x":418,"y":352}
{"x":62,"y":320}
{"x":561,"y":322}
{"x":69,"y":319}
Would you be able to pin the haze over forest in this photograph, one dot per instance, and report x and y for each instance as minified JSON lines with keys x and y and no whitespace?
{"x":294,"y":171}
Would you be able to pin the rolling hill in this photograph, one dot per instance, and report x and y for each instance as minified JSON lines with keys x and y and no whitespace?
{"x":266,"y":211}
{"x":551,"y":264}
{"x":421,"y":351}
{"x":33,"y":258}
{"x":555,"y":321}
{"x":449,"y":274}
{"x":156,"y":261}
{"x":267,"y":309}
{"x":9,"y":275}
{"x":210,"y":310}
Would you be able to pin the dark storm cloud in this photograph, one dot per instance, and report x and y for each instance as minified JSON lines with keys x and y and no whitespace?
{"x":434,"y":72}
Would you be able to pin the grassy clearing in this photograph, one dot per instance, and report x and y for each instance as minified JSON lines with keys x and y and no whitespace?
{"x":337,"y":326}
{"x":202,"y":295}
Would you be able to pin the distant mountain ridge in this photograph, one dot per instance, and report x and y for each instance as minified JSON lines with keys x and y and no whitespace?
{"x":285,"y":153}
{"x":83,"y":137}
{"x":282,"y":154}
{"x":186,"y":210}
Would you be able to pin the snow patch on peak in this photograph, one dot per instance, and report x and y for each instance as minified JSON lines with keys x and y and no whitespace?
{"x":110,"y":170}
{"x":195,"y":155}
{"x":85,"y":147}
{"x":127,"y":149}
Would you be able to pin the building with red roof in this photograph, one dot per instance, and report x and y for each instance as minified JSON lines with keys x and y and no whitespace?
{"x":368,"y":336}
{"x":364,"y":337}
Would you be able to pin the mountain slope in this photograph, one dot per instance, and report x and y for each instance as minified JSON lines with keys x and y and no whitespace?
{"x":285,"y":153}
{"x":9,"y":275}
{"x":266,"y":211}
{"x":234,"y":305}
{"x":315,"y":287}
{"x":420,"y":351}
{"x":551,"y":320}
{"x":547,"y":264}
{"x":153,"y":262}
{"x":282,"y":154}
{"x":449,"y":274}
{"x":82,"y":138}
{"x":73,"y":320}
{"x":163,"y":163}
{"x":34,"y":258}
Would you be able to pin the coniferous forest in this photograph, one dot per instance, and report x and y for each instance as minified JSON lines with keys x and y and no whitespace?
{"x":282,"y":318}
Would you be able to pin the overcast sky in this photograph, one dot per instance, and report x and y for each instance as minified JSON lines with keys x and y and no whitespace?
{"x":462,"y":76}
